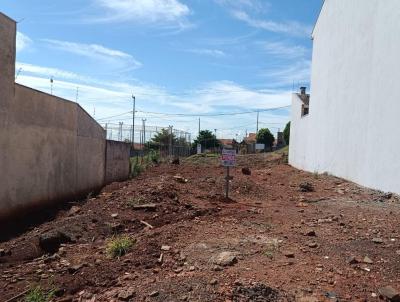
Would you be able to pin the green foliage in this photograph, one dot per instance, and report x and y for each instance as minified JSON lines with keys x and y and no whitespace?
{"x":136,"y":167}
{"x":207,"y":139}
{"x":264,"y":136}
{"x":286,"y":133}
{"x":37,"y":294}
{"x":162,"y":138}
{"x":140,"y":163}
{"x":119,"y":246}
{"x":153,"y":157}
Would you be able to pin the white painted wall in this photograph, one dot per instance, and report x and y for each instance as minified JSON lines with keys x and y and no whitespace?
{"x":352,"y":130}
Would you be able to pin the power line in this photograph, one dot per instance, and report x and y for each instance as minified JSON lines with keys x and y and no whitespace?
{"x":199,"y":115}
{"x":216,"y":114}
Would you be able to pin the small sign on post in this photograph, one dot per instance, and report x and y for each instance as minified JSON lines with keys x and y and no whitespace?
{"x":228,"y":159}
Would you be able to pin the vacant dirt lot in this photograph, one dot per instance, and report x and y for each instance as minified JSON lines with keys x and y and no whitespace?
{"x":286,"y":235}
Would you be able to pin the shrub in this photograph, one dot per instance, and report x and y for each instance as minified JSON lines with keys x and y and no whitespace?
{"x":119,"y":246}
{"x":37,"y":294}
{"x":136,"y":167}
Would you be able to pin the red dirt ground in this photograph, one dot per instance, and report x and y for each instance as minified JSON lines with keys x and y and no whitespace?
{"x":264,"y":228}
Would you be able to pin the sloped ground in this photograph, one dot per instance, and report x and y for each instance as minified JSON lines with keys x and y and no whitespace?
{"x":271,"y":242}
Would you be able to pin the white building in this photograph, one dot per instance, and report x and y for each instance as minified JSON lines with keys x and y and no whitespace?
{"x":352,"y":129}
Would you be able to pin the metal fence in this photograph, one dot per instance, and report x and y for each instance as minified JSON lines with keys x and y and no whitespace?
{"x":168,"y":141}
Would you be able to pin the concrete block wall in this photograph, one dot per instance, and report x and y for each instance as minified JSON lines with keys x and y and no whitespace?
{"x":51,"y":150}
{"x":117,"y":167}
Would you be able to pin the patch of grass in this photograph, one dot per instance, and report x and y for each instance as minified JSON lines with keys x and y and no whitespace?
{"x":271,"y":249}
{"x":37,"y":294}
{"x":136,"y":201}
{"x":139,"y":164}
{"x":137,"y":167}
{"x":119,"y":246}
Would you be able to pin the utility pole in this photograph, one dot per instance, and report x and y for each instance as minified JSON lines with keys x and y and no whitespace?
{"x":258,"y":115}
{"x":199,"y":125}
{"x":77,"y":94}
{"x":120,"y":131}
{"x":215,"y":140}
{"x":133,"y":121}
{"x":51,"y":85}
{"x":170,"y":141}
{"x":144,"y":131}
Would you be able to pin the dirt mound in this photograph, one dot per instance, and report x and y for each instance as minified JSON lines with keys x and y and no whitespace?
{"x":278,"y":241}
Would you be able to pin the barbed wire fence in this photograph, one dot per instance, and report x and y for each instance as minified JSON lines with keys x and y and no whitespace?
{"x":167,"y":141}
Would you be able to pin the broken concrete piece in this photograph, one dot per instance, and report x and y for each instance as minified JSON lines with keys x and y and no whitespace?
{"x":165,"y":248}
{"x":390,"y":293}
{"x":377,"y":240}
{"x":225,"y":259}
{"x":148,"y":207}
{"x":180,"y":179}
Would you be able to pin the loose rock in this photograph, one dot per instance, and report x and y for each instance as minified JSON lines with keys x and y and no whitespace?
{"x":246,"y":171}
{"x":368,"y":260}
{"x":154,"y":294}
{"x":127,"y":294}
{"x":390,"y":293}
{"x":377,"y":240}
{"x":306,"y":187}
{"x":225,"y":259}
{"x":50,"y":241}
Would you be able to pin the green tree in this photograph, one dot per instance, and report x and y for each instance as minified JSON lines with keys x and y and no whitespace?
{"x":264,"y":136}
{"x":286,"y":133}
{"x":207,"y":139}
{"x":162,"y":138}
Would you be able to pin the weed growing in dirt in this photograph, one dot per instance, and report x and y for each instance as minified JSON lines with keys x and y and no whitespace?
{"x":137,"y":167}
{"x":119,"y":246}
{"x":154,"y":157}
{"x":37,"y":294}
{"x":271,"y":249}
{"x":136,"y":201}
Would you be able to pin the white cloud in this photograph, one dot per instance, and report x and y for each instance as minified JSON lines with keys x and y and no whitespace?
{"x":97,"y":52}
{"x":144,"y":11}
{"x":297,"y":73}
{"x":112,"y":98}
{"x":48,"y":72}
{"x":292,"y":27}
{"x":23,"y":41}
{"x":254,"y":5}
{"x":208,"y":52}
{"x":284,"y":50}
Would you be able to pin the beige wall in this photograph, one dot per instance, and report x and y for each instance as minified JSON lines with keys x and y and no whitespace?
{"x":117,"y":167}
{"x":51,"y":150}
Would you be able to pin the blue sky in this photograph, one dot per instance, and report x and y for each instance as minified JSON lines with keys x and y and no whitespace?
{"x":176,"y":56}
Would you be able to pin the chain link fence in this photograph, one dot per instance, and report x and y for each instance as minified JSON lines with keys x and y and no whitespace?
{"x":166,"y":141}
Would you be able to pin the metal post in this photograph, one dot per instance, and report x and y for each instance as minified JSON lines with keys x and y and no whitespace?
{"x":144,"y":131}
{"x":133,"y":121}
{"x":215,"y":140}
{"x":227,"y":183}
{"x":258,"y":115}
{"x":170,"y":141}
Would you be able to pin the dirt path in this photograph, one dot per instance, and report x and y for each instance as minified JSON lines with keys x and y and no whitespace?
{"x":273,"y":242}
